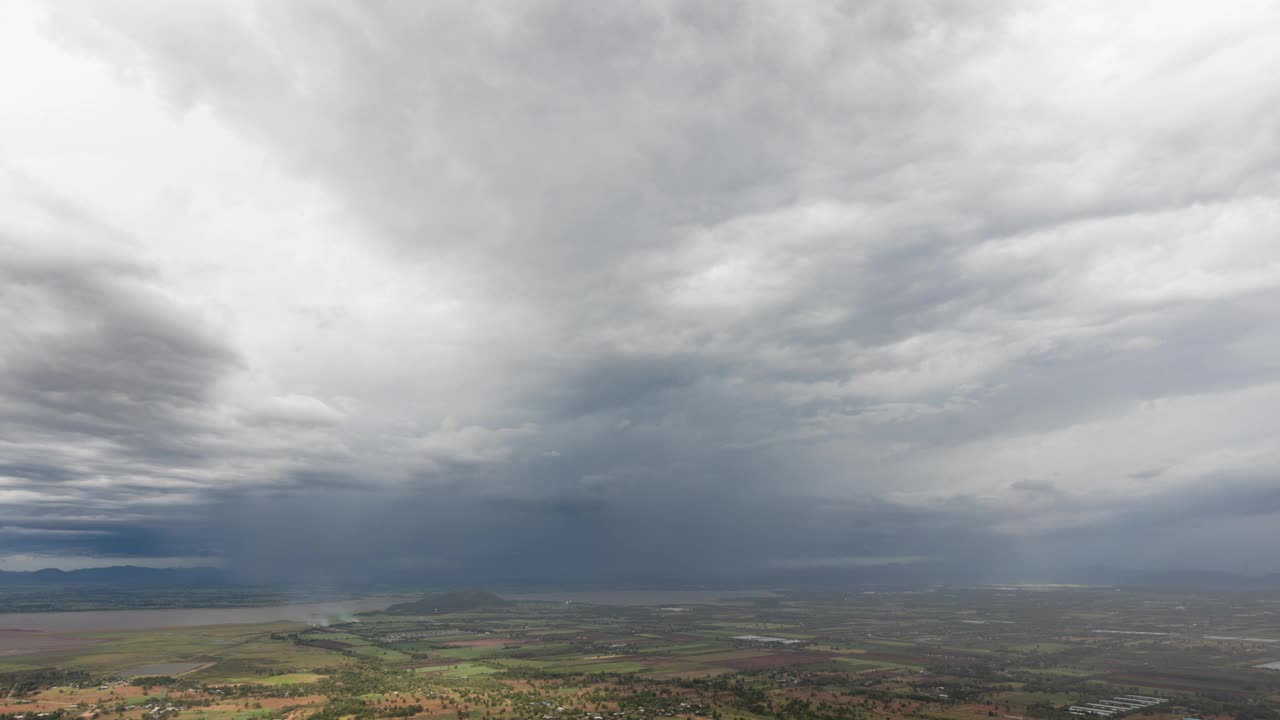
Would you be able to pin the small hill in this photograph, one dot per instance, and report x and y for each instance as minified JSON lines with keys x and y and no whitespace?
{"x":457,"y":601}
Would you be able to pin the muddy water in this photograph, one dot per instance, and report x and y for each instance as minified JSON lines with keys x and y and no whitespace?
{"x":641,"y":597}
{"x":149,"y":619}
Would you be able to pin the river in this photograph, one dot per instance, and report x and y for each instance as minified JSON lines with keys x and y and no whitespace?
{"x":189,"y":617}
{"x":325,"y":611}
{"x":640,"y":597}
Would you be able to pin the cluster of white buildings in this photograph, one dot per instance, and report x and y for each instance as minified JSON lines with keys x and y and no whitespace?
{"x":1117,"y":705}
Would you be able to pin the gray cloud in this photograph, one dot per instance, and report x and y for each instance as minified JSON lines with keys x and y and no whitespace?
{"x":646,"y":288}
{"x":95,"y":349}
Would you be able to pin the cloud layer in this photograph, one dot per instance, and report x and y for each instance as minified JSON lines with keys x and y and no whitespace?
{"x":565,"y":290}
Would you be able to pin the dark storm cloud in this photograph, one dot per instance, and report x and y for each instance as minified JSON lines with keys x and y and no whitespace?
{"x":106,"y":395}
{"x":684,"y":288}
{"x":718,"y":528}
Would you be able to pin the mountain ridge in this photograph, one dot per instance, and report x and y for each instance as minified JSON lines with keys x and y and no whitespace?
{"x":131,"y":575}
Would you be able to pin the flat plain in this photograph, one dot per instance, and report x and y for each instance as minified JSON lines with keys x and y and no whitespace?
{"x":947,"y":653}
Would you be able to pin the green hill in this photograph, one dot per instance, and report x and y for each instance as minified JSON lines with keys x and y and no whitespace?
{"x":457,"y":601}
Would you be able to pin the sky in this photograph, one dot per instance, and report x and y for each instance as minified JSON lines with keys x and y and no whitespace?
{"x":569,"y":290}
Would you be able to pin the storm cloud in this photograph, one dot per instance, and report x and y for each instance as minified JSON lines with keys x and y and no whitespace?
{"x":568,"y":290}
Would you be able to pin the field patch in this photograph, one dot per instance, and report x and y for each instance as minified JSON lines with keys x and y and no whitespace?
{"x":1180,"y":683}
{"x":161,"y":669}
{"x":686,"y":649}
{"x":415,"y":646}
{"x":459,"y":671}
{"x":1041,"y":647}
{"x":488,"y":643}
{"x":380,"y":653}
{"x":764,"y":662}
{"x":345,"y":638}
{"x":686,"y":671}
{"x":290,"y":679}
{"x":525,"y":663}
{"x":603,"y":667}
{"x":1033,"y":698}
{"x":859,"y":665}
{"x":720,"y":658}
{"x":466,"y":653}
{"x":1062,"y":671}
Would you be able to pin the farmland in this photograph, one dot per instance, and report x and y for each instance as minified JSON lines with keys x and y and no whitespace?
{"x":947,"y":653}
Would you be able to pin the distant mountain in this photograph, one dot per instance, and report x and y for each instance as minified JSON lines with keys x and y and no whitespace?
{"x":119,"y":575}
{"x":458,"y":601}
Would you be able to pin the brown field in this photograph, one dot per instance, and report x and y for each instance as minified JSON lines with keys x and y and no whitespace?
{"x":56,"y":698}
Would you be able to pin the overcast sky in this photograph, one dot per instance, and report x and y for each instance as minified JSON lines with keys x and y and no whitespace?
{"x":639,"y":288}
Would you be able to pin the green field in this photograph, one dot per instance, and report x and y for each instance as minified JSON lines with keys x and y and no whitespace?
{"x":468,"y":653}
{"x":380,"y":653}
{"x":603,"y":667}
